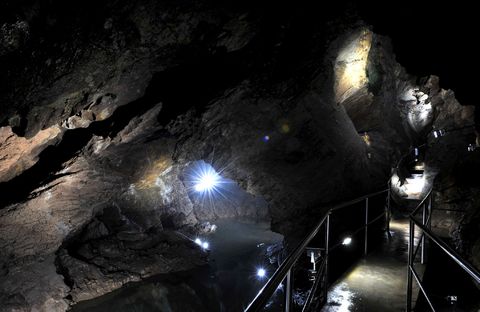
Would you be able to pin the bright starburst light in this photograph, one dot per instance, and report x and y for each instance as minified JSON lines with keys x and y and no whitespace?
{"x":205,"y":180}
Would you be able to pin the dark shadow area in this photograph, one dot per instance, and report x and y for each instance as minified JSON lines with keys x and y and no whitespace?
{"x":184,"y":291}
{"x":430,"y":38}
{"x":444,"y":278}
{"x":195,"y":84}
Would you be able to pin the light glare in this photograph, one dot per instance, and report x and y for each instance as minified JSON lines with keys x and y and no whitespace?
{"x":414,"y":185}
{"x":205,"y":245}
{"x":207,"y":182}
{"x":198,"y":241}
{"x":347,"y":241}
{"x":261,"y":272}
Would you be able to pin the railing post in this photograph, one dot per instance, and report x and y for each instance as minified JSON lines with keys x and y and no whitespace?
{"x":327,"y":242}
{"x":288,"y":290}
{"x":388,"y":210}
{"x":424,"y":221}
{"x":430,"y":203}
{"x":410,"y":265}
{"x":366,"y":226}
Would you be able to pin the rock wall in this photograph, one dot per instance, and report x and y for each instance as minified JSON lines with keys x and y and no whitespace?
{"x":117,"y":109}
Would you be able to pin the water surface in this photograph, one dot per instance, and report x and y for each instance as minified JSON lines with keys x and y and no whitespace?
{"x":228,"y":283}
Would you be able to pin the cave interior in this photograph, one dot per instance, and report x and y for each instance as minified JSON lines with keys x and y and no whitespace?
{"x":160,"y":155}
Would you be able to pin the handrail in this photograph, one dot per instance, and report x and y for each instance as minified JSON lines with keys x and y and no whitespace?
{"x":267,"y":291}
{"x":426,"y":232}
{"x":420,"y":285}
{"x":414,"y":212}
{"x":467,"y":267}
{"x":272,"y":284}
{"x":314,"y":287}
{"x":354,"y":201}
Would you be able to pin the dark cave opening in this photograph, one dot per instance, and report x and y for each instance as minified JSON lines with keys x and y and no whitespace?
{"x":194,"y":84}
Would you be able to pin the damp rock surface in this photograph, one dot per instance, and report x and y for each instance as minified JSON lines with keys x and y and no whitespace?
{"x":105,"y":107}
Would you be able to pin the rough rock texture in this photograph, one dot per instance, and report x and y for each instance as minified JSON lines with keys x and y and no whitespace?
{"x":107,"y":255}
{"x":455,"y":170}
{"x":34,"y":287}
{"x":93,"y":67}
{"x":18,"y":154}
{"x":117,"y":110}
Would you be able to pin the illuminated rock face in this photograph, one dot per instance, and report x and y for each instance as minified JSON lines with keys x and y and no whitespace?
{"x":351,"y":65}
{"x":419,"y":109}
{"x":96,"y":166}
{"x":18,"y":154}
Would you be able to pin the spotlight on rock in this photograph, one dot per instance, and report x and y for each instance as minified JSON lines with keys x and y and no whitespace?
{"x":347,"y":241}
{"x":261,"y":273}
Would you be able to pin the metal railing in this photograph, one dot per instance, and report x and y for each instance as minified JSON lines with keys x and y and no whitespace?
{"x":424,"y":225}
{"x":284,"y":272}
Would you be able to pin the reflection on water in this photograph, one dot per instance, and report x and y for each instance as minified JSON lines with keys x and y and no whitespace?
{"x":378,"y":281}
{"x":340,"y":298}
{"x":228,"y":283}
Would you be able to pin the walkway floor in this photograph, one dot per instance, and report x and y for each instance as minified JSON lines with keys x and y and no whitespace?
{"x":378,"y":282}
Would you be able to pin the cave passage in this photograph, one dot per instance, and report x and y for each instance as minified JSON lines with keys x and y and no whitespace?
{"x":207,"y":155}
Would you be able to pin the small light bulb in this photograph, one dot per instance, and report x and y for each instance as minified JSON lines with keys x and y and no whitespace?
{"x":205,"y":245}
{"x":261,"y":272}
{"x":198,"y":241}
{"x":347,"y":241}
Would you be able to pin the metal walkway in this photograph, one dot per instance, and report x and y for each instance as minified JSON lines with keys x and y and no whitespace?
{"x":387,"y":279}
{"x":379,"y":281}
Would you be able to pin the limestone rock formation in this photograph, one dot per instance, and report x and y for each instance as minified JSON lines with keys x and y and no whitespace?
{"x":18,"y":154}
{"x":104,"y":119}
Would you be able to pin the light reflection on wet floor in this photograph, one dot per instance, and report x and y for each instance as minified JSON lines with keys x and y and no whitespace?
{"x":377,"y":282}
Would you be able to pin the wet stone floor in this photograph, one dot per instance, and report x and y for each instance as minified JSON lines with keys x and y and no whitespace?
{"x":377,"y":283}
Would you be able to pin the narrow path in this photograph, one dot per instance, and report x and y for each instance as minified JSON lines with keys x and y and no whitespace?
{"x":377,"y":282}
